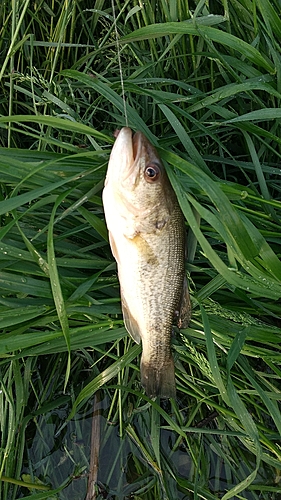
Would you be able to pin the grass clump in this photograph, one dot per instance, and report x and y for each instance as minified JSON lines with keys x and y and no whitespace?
{"x":202,"y":81}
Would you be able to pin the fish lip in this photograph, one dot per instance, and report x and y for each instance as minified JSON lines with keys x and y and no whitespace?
{"x":121,"y":154}
{"x":137,"y":142}
{"x":135,"y":139}
{"x":133,"y":144}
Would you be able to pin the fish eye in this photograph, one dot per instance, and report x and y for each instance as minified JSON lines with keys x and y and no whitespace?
{"x":151,"y":172}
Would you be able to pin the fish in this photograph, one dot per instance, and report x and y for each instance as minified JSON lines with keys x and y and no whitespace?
{"x":147,"y":238}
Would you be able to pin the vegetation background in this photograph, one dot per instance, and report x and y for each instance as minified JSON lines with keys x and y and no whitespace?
{"x":202,"y":79}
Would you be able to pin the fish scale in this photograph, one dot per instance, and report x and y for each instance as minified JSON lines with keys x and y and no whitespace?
{"x":163,"y":285}
{"x":147,"y":238}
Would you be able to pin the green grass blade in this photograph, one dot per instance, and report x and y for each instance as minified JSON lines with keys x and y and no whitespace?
{"x":189,"y":28}
{"x":56,"y":286}
{"x":105,"y":376}
{"x":213,"y":358}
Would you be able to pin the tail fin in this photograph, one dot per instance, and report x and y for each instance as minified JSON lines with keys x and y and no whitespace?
{"x":159,"y":381}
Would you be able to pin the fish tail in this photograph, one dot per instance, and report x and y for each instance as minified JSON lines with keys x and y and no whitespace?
{"x":159,"y":381}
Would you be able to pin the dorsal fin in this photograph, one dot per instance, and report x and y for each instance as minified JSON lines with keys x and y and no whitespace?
{"x":185,"y":306}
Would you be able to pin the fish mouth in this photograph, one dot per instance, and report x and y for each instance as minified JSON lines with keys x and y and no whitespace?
{"x":130,"y":153}
{"x":126,"y":135}
{"x":128,"y":139}
{"x":121,"y":157}
{"x":143,"y":149}
{"x":137,"y":143}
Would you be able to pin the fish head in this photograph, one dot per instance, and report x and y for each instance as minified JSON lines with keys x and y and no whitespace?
{"x":137,"y":175}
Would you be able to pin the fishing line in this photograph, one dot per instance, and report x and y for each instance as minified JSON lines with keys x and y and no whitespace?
{"x":119,"y":63}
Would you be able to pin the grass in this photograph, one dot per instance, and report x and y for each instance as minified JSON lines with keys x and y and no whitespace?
{"x":203,"y":81}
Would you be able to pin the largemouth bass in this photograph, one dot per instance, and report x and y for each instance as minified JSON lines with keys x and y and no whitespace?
{"x":147,"y":239}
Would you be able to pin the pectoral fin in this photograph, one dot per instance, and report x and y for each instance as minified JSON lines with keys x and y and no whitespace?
{"x":130,"y":323}
{"x":185,"y":307}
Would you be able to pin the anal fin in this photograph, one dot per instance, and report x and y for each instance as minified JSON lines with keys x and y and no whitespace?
{"x":131,"y":323}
